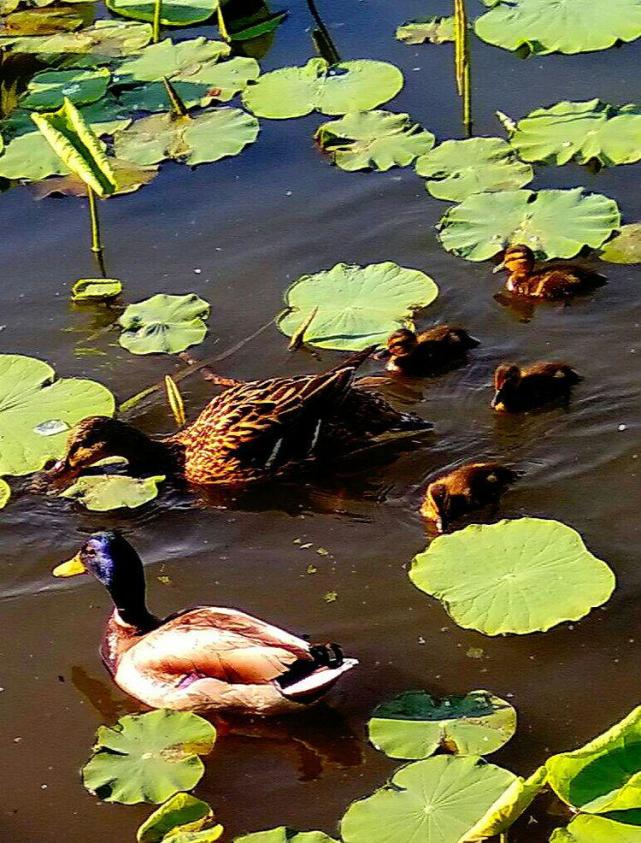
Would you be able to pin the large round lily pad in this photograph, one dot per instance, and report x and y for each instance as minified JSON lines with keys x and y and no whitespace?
{"x":580,"y":131}
{"x":182,"y":819}
{"x":48,"y":89}
{"x":174,"y":12}
{"x":376,"y":140}
{"x":148,"y":757}
{"x":554,"y":223}
{"x":586,"y":829}
{"x":562,"y":26}
{"x":625,"y":246}
{"x":438,"y":799}
{"x":285,"y":835}
{"x":416,"y":724}
{"x":164,"y":324}
{"x":520,"y":576}
{"x":349,"y":86}
{"x":350,"y":307}
{"x":104,"y":492}
{"x":186,"y":61}
{"x":458,"y":168}
{"x":37,"y":412}
{"x":512,"y":803}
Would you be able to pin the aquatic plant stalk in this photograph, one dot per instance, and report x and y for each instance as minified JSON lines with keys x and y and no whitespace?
{"x":178,"y":107}
{"x":156,"y":21}
{"x":175,"y":400}
{"x":322,"y":39}
{"x":462,"y":62}
{"x":96,"y":242}
{"x":222,"y":26}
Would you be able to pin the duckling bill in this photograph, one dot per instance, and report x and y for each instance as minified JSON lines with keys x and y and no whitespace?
{"x":428,"y":352}
{"x":517,"y":389}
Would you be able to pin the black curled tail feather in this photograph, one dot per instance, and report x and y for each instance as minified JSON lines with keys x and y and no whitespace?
{"x":322,"y":655}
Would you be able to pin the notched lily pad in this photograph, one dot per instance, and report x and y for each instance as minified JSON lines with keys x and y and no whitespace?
{"x":182,"y":819}
{"x":625,"y":246}
{"x":183,"y":61}
{"x":104,"y":492}
{"x":435,"y":30}
{"x":48,"y":89}
{"x":96,"y":44}
{"x":164,"y":324}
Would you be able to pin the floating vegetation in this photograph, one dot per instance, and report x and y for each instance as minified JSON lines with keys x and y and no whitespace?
{"x":285,"y":835}
{"x":106,"y":492}
{"x":47,"y":90}
{"x":348,"y":86}
{"x":99,"y":43}
{"x":182,"y":819}
{"x":587,"y":829}
{"x":554,"y":223}
{"x":457,"y":169}
{"x":172,"y":12}
{"x":520,"y":576}
{"x":416,"y":724}
{"x":96,"y":289}
{"x":5,"y":493}
{"x":512,"y":803}
{"x":148,"y":757}
{"x":356,"y":306}
{"x":376,"y":140}
{"x":435,"y":30}
{"x":625,"y":246}
{"x":164,"y":324}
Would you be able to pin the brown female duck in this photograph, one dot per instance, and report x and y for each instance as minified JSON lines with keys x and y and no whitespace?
{"x":464,"y":490}
{"x":207,"y":658}
{"x":427,"y":352}
{"x":517,"y":388}
{"x":554,"y":283}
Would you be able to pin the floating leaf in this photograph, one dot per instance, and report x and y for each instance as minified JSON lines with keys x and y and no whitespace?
{"x":148,"y":757}
{"x":104,"y":40}
{"x":438,"y":799}
{"x":436,"y":30}
{"x":174,"y":12}
{"x":564,"y":26}
{"x":104,"y":492}
{"x":180,"y":820}
{"x":515,"y":800}
{"x":5,"y":493}
{"x":48,"y":89}
{"x":625,"y":246}
{"x":96,"y":289}
{"x":585,"y":829}
{"x":356,"y":305}
{"x":554,"y":223}
{"x":375,"y":140}
{"x":349,"y":86}
{"x":184,"y":61}
{"x":520,"y":576}
{"x":38,"y":22}
{"x":458,"y":168}
{"x":30,"y":398}
{"x":164,"y":324}
{"x":416,"y":724}
{"x":129,"y":178}
{"x":285,"y":835}
{"x":580,"y":131}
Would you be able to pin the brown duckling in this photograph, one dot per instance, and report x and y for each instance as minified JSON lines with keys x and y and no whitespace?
{"x":554,"y":283}
{"x":517,"y":389}
{"x":431,"y":350}
{"x":463,"y":490}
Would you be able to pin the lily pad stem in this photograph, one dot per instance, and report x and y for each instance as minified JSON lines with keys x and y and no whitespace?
{"x":96,"y":243}
{"x":462,"y":62}
{"x":322,"y":38}
{"x":178,"y":107}
{"x":503,"y":837}
{"x":222,"y":26}
{"x":156,"y":21}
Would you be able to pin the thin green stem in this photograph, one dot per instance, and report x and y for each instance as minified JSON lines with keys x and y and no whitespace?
{"x":178,"y":107}
{"x":503,"y":837}
{"x":222,"y":26}
{"x":96,"y":245}
{"x":156,"y":21}
{"x":462,"y":62}
{"x":322,"y":38}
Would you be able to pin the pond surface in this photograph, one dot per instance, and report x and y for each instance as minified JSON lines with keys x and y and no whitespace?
{"x":237,"y":233}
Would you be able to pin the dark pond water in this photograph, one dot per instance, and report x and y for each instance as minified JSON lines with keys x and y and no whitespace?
{"x":237,"y":233}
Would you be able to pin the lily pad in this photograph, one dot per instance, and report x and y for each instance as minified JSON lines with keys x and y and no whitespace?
{"x":586,"y":829}
{"x":180,"y":820}
{"x":349,"y":86}
{"x":48,"y":89}
{"x":37,"y":412}
{"x":99,"y":43}
{"x":350,"y":307}
{"x":438,"y":799}
{"x":96,"y":289}
{"x":516,"y":799}
{"x":5,"y":493}
{"x":564,"y":26}
{"x":376,"y":140}
{"x":164,"y":324}
{"x":184,"y":61}
{"x":104,"y":492}
{"x":520,"y":576}
{"x":625,"y":246}
{"x":416,"y":724}
{"x":285,"y":835}
{"x":580,"y":131}
{"x":554,"y":223}
{"x":148,"y":757}
{"x":37,"y":22}
{"x":436,"y":30}
{"x":458,"y":168}
{"x":174,"y":12}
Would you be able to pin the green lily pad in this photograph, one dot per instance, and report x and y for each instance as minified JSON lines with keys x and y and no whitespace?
{"x":48,"y":89}
{"x":285,"y":835}
{"x":349,"y":86}
{"x":184,"y":61}
{"x":586,"y":829}
{"x":96,"y":289}
{"x":435,"y":30}
{"x":512,"y":803}
{"x":350,"y":307}
{"x":180,"y":820}
{"x":37,"y":412}
{"x":38,"y":22}
{"x":5,"y":493}
{"x":148,"y":757}
{"x":376,"y":140}
{"x":564,"y":26}
{"x":262,"y":23}
{"x":99,"y":43}
{"x":207,"y":137}
{"x":625,"y":246}
{"x":174,"y":12}
{"x":457,"y":169}
{"x":520,"y":576}
{"x":415,"y":724}
{"x":438,"y":799}
{"x":580,"y":131}
{"x":164,"y":324}
{"x":104,"y":492}
{"x":554,"y":223}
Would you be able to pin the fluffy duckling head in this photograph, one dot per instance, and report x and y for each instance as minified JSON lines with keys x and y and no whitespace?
{"x":402,"y":343}
{"x":436,"y":506}
{"x":506,"y":378}
{"x":518,"y":260}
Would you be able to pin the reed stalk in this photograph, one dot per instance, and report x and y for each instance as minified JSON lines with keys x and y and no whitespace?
{"x":156,"y":21}
{"x":322,"y":39}
{"x":222,"y":26}
{"x":462,"y":63}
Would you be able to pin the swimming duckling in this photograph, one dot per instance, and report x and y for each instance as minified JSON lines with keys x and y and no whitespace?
{"x":517,"y":389}
{"x":554,"y":283}
{"x":207,"y":658}
{"x":427,"y":352}
{"x":463,"y":490}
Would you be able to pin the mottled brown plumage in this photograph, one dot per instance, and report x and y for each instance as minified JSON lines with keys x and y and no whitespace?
{"x":428,"y":352}
{"x":517,"y":389}
{"x":555,"y":282}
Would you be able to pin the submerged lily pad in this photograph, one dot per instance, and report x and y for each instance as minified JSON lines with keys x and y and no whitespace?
{"x":375,"y":140}
{"x":438,"y":799}
{"x":515,"y":800}
{"x":564,"y":26}
{"x":174,"y":12}
{"x":164,"y":324}
{"x":416,"y":724}
{"x":458,"y":168}
{"x":285,"y":835}
{"x":520,"y":576}
{"x":101,"y":42}
{"x":436,"y":30}
{"x":31,"y":399}
{"x":349,"y":86}
{"x":5,"y":493}
{"x":104,"y":492}
{"x":586,"y":829}
{"x":625,"y":246}
{"x":148,"y":757}
{"x":350,"y":307}
{"x":180,"y":820}
{"x":48,"y":89}
{"x":96,"y":289}
{"x":554,"y":223}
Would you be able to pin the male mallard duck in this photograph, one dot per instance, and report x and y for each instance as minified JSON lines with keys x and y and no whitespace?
{"x":251,"y":432}
{"x":518,"y":389}
{"x":464,"y":490}
{"x":555,"y":282}
{"x":427,"y":352}
{"x":203,"y":658}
